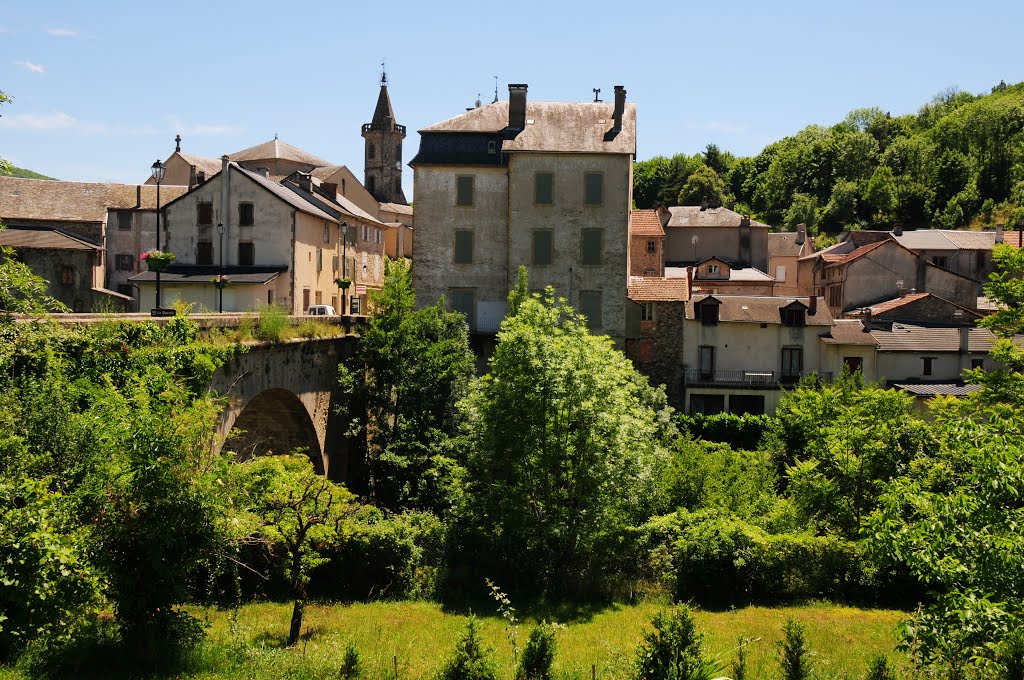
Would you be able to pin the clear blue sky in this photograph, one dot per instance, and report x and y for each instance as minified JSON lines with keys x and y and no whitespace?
{"x":101,"y":88}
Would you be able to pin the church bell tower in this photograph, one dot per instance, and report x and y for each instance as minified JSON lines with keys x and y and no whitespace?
{"x":383,"y":155}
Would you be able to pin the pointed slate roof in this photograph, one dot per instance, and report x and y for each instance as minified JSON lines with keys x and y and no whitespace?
{"x":275,"y":149}
{"x":383,"y":115}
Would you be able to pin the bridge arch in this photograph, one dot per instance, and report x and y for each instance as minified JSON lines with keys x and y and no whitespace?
{"x":275,"y":421}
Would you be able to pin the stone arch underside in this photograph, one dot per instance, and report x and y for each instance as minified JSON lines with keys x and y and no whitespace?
{"x":275,"y":421}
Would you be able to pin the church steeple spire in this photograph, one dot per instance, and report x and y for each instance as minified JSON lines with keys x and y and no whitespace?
{"x":383,"y":158}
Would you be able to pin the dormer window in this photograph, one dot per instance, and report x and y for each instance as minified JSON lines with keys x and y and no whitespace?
{"x":707,"y":311}
{"x":794,"y":316}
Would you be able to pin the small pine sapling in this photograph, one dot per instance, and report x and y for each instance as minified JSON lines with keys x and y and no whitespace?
{"x":539,"y":653}
{"x":880,"y":669}
{"x":795,"y":657}
{"x":471,"y":659}
{"x":351,"y":666}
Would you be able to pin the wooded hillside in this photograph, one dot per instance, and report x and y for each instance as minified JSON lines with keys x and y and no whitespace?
{"x":959,"y":160}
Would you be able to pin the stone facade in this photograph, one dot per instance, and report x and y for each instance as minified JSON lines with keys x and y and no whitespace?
{"x":658,"y":350}
{"x":547,"y":185}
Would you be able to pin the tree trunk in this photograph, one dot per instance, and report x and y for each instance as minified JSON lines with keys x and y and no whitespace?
{"x":296,"y":627}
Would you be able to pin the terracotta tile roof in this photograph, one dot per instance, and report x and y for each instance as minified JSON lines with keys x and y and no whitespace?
{"x":284,"y":193}
{"x":645,"y":223}
{"x":694,"y":216}
{"x":847,"y":332}
{"x":568,"y":127}
{"x":275,"y":149}
{"x":42,"y":199}
{"x":42,"y":238}
{"x":945,"y":390}
{"x":907,"y":338}
{"x":397,"y":208}
{"x":760,"y":309}
{"x":657,"y":289}
{"x":1012,"y":238}
{"x":896,"y":303}
{"x":211,"y":166}
{"x":854,"y":254}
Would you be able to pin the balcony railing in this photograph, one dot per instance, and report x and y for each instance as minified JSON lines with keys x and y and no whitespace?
{"x":696,"y":376}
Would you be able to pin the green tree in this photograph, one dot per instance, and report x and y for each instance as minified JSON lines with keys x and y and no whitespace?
{"x":793,"y":652}
{"x":880,"y":194}
{"x":471,"y":659}
{"x":841,"y":209}
{"x":674,"y":649}
{"x":298,"y":511}
{"x":567,"y":447}
{"x":703,"y":185}
{"x":411,"y":369}
{"x":954,"y":518}
{"x":803,"y":210}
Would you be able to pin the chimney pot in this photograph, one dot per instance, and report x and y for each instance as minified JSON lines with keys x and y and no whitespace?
{"x":999,"y":233}
{"x":801,"y":234}
{"x":517,"y":106}
{"x":897,"y":229}
{"x":305,"y":182}
{"x":620,"y":105}
{"x":812,"y":305}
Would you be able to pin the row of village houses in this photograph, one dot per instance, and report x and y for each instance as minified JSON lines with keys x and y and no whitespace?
{"x":709,"y":302}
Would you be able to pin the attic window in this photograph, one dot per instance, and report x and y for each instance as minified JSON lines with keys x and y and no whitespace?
{"x":794,"y":316}
{"x":492,"y":147}
{"x":707,"y":312}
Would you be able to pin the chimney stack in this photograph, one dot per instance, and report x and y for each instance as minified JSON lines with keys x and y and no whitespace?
{"x":745,"y":242}
{"x":812,"y":305}
{"x":866,"y":319}
{"x":305,"y":182}
{"x":703,"y":202}
{"x":663,"y":214}
{"x":517,"y":106}
{"x":999,"y":233}
{"x":801,"y":234}
{"x":965,"y":339}
{"x":620,"y":105}
{"x":897,"y":229}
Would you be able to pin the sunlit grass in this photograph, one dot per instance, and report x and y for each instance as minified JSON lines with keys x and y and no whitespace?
{"x":417,"y":636}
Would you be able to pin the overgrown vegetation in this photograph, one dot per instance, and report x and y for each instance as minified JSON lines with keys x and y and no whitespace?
{"x":958,"y":161}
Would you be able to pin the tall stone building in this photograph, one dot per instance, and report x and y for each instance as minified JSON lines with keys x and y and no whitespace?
{"x":547,"y":185}
{"x":383,"y":161}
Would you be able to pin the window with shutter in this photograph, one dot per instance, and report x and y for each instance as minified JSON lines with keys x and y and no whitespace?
{"x":590,"y":247}
{"x":543,"y":247}
{"x":543,"y":188}
{"x":246,"y":254}
{"x":464,"y":190}
{"x":590,"y":307}
{"x":593,"y":188}
{"x":463,"y":246}
{"x":204,"y":252}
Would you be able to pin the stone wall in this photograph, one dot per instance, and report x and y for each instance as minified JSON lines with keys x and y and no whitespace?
{"x":658,"y":352}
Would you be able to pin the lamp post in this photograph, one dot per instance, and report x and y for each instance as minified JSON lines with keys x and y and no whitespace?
{"x":344,"y":263}
{"x":220,"y":251}
{"x":157,"y":171}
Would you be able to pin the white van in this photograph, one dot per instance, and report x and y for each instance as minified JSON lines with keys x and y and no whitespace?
{"x":321,"y":310}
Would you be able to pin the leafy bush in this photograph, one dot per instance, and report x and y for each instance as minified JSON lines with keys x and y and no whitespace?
{"x":1010,"y":656}
{"x":674,"y":649}
{"x":384,"y":555}
{"x":272,"y":325}
{"x":793,"y":653}
{"x":471,"y":659}
{"x":880,"y":669}
{"x":724,"y":560}
{"x":539,"y":653}
{"x":740,"y":431}
{"x":709,"y":475}
{"x":311,"y":329}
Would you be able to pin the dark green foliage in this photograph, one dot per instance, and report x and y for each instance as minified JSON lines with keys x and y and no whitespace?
{"x":738,"y":667}
{"x":880,"y":669}
{"x":1010,"y":656}
{"x":721,"y":561}
{"x":957,"y":159}
{"x":740,"y":431}
{"x":539,"y":653}
{"x":410,"y":370}
{"x":383,"y":556}
{"x":472,"y":660}
{"x":794,"y":656}
{"x":351,"y":666}
{"x":705,"y":475}
{"x":674,"y":649}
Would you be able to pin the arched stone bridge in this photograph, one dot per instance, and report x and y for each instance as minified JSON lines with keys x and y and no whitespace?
{"x":285,"y":396}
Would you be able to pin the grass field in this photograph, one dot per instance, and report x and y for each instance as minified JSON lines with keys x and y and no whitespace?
{"x":419,"y":635}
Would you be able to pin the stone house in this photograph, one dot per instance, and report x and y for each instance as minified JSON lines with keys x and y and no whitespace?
{"x":784,"y":251}
{"x":281,"y":244}
{"x":646,"y":244}
{"x":655,"y":331}
{"x":114,"y":222}
{"x":923,"y":309}
{"x":849,"y":277}
{"x":719,"y":277}
{"x":695,"y":233}
{"x":547,"y":185}
{"x":740,"y":352}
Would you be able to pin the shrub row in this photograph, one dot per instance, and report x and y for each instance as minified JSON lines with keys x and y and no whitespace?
{"x":738,"y":431}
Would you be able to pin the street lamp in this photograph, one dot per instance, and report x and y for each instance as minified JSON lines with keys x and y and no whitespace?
{"x":220,"y":250}
{"x":344,"y":263}
{"x":158,"y":170}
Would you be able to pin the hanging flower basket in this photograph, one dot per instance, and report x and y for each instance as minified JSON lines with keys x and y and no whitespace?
{"x":221,"y":281}
{"x":156,"y":260}
{"x":343,"y":283}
